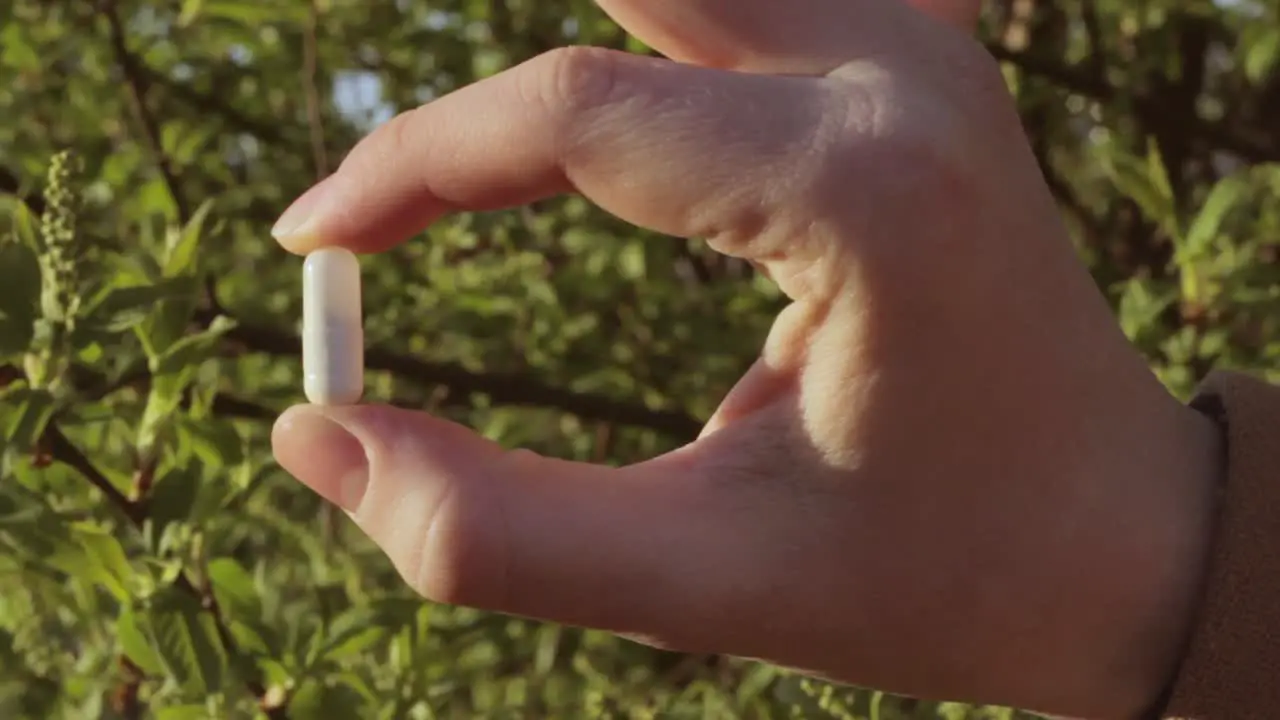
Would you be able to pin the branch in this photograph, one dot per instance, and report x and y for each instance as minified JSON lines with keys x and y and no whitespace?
{"x":231,"y":406}
{"x":504,"y":388}
{"x":10,"y":184}
{"x":136,"y":83}
{"x":65,"y":452}
{"x":1239,"y":141}
{"x":210,"y":104}
{"x":310,"y":69}
{"x":1097,"y":48}
{"x":1067,"y":76}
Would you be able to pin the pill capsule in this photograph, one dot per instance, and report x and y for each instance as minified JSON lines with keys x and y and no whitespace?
{"x":332,"y":328}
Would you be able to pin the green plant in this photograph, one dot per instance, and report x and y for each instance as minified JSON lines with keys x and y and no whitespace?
{"x":154,"y":561}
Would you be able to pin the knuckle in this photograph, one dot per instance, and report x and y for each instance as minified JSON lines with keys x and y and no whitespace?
{"x":456,"y":553}
{"x":442,"y":569}
{"x":398,"y":133}
{"x":387,"y":145}
{"x":916,"y":144}
{"x":572,"y":78}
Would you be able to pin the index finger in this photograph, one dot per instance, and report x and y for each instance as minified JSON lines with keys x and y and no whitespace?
{"x":678,"y":149}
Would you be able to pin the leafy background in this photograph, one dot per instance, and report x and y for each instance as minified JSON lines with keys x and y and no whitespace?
{"x":156,"y":563}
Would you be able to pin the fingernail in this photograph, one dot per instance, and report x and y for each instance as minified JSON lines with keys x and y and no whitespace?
{"x":323,"y":455}
{"x":300,"y":216}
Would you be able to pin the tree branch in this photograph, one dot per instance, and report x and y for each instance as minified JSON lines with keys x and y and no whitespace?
{"x":136,"y":83}
{"x":10,"y":184}
{"x":65,"y":452}
{"x":503,"y":388}
{"x":210,"y":104}
{"x":311,"y":90}
{"x":1240,"y":141}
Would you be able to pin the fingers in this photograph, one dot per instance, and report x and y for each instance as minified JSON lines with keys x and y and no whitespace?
{"x":681,"y":150}
{"x":808,"y":37}
{"x":467,"y":523}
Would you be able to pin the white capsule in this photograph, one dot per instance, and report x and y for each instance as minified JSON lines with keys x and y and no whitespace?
{"x":332,"y":328}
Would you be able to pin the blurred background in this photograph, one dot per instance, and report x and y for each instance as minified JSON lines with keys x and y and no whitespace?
{"x":154,"y":562}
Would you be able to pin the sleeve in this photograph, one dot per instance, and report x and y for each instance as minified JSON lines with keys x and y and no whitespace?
{"x":1231,"y":668}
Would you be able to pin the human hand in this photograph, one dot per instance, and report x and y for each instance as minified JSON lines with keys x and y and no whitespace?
{"x":948,"y":474}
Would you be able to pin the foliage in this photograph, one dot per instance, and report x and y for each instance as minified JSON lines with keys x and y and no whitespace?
{"x":156,"y":562}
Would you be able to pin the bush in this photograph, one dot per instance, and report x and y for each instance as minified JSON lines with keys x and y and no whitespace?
{"x":157,"y":563}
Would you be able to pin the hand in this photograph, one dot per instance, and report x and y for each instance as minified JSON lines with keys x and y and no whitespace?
{"x":948,"y":474}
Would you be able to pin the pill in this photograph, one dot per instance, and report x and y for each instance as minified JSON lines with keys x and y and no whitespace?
{"x":332,"y":328}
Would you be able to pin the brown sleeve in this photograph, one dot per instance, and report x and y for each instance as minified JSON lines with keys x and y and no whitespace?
{"x":1231,"y":670}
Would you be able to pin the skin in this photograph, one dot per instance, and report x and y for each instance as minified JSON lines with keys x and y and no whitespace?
{"x":946,"y":450}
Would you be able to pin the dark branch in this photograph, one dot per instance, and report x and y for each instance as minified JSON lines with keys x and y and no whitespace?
{"x":311,"y":91}
{"x":1239,"y":141}
{"x":502,"y":388}
{"x":65,"y":452}
{"x":211,"y":105}
{"x":136,"y":84}
{"x":228,"y":405}
{"x":10,"y":184}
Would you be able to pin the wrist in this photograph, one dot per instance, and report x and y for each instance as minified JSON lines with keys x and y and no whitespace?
{"x":1186,"y":471}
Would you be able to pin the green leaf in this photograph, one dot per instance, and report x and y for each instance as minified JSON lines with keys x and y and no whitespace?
{"x":1158,"y":173}
{"x":1143,"y":181}
{"x":1262,"y":56}
{"x":1204,"y":229}
{"x":19,"y":296}
{"x":756,"y":681}
{"x":192,"y":349}
{"x":24,"y":225}
{"x":184,"y":712}
{"x":35,"y":531}
{"x":255,"y":637}
{"x":173,"y":498}
{"x":187,"y":642}
{"x":189,"y":146}
{"x":122,"y":308}
{"x":190,"y":12}
{"x":255,"y":13}
{"x":214,"y":440}
{"x":632,"y":260}
{"x":15,"y":51}
{"x":180,"y":252}
{"x":1141,"y":303}
{"x":25,"y":412}
{"x":234,"y":588}
{"x":135,"y":642}
{"x":167,"y":325}
{"x":187,"y":494}
{"x":315,"y":700}
{"x":356,"y":630}
{"x":106,"y":558}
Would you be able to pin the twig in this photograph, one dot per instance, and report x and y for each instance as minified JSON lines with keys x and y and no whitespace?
{"x":11,"y":185}
{"x":124,"y":699}
{"x":1239,"y":141}
{"x":311,"y":89}
{"x":65,"y":452}
{"x":503,"y":388}
{"x":1097,"y":46}
{"x":228,"y":406}
{"x":209,"y":104}
{"x":136,"y":83}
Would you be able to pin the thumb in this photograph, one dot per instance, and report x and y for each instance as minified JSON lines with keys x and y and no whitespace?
{"x":466,"y":522}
